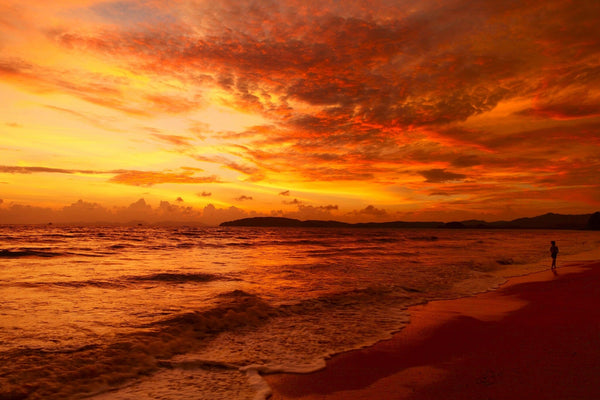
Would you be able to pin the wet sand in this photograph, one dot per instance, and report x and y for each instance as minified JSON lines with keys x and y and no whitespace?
{"x":537,"y":337}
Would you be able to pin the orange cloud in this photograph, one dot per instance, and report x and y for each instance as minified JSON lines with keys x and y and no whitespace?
{"x":128,"y":177}
{"x":149,"y":178}
{"x":176,"y":140}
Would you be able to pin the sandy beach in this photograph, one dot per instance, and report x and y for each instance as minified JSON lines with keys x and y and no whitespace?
{"x":536,"y":337}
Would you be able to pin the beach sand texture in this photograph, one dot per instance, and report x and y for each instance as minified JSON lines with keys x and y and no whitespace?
{"x":537,"y":337}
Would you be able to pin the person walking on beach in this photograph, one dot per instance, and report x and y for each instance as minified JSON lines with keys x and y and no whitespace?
{"x":553,"y":253}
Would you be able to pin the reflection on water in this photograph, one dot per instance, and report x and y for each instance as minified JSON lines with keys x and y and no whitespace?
{"x":87,"y":309}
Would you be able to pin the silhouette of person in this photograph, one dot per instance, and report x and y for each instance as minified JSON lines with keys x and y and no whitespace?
{"x":553,"y":253}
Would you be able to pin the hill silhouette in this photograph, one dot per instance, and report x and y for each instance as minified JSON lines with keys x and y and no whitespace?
{"x":546,"y":221}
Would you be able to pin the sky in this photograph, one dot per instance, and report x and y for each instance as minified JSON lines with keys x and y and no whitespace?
{"x":379,"y":110}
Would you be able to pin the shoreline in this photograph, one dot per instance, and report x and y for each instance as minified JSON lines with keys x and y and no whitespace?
{"x":537,"y":336}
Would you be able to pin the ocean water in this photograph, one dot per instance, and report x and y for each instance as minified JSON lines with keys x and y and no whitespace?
{"x":200,"y":313}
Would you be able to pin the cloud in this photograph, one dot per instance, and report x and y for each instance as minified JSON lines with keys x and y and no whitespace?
{"x":356,"y":66}
{"x":439,"y":194}
{"x":150,"y":178}
{"x":293,"y":202}
{"x":437,"y":175}
{"x":92,"y":120}
{"x":214,"y":216}
{"x":285,"y":193}
{"x":205,"y":194}
{"x":362,"y":91}
{"x":138,"y":211}
{"x":254,"y":172}
{"x":102,"y":90}
{"x":174,"y":139}
{"x":306,"y":212}
{"x":174,"y":104}
{"x":82,"y":211}
{"x":30,"y":170}
{"x":246,"y":169}
{"x":466,"y":160}
{"x":372,"y":210}
{"x":128,"y":177}
{"x":200,"y":129}
{"x":244,"y":198}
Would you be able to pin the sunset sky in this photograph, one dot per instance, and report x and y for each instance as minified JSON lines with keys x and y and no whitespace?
{"x":354,"y":110}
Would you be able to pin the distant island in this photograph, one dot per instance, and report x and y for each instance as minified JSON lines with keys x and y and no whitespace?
{"x":546,"y":221}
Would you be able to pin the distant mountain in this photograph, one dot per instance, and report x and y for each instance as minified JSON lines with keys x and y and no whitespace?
{"x":594,"y":222}
{"x":285,"y":222}
{"x":546,"y":221}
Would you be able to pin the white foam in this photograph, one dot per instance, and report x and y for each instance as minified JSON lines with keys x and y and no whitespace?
{"x":260,"y":386}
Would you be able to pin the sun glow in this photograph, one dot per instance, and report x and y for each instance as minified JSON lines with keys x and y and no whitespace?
{"x":283,"y":114}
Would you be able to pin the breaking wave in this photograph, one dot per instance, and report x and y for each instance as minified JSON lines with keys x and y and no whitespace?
{"x":93,"y":369}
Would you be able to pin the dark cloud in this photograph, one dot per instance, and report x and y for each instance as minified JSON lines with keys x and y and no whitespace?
{"x":437,"y":175}
{"x":30,"y":170}
{"x":205,"y":194}
{"x":358,"y":65}
{"x":329,"y":207}
{"x":367,"y":72}
{"x":439,"y":194}
{"x":285,"y":193}
{"x":244,"y":198}
{"x":466,"y":161}
{"x":293,"y":202}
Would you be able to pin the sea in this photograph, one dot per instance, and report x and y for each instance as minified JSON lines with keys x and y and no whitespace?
{"x":203,"y":312}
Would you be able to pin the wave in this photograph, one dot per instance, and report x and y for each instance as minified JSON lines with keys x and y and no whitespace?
{"x":71,"y":284}
{"x":506,"y":261}
{"x":29,"y":253}
{"x":126,"y":281}
{"x":236,"y":309}
{"x":119,"y":246}
{"x":424,"y":238}
{"x":177,"y":277}
{"x":92,"y":369}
